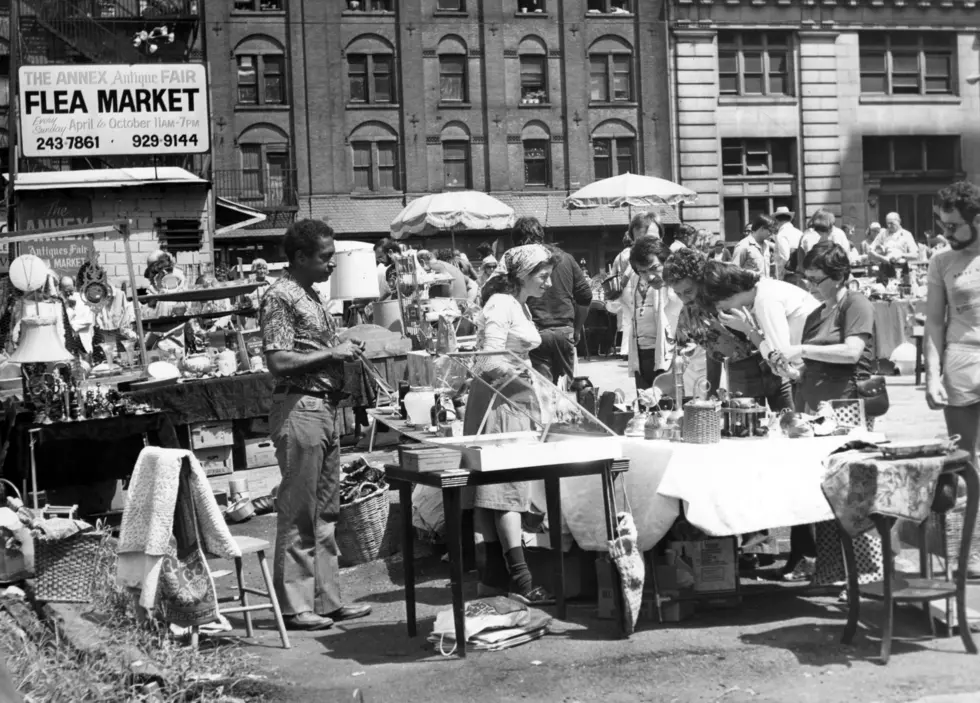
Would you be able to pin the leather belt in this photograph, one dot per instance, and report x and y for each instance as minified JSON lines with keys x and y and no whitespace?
{"x":332,"y":396}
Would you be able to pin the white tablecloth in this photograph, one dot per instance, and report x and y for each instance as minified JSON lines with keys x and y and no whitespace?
{"x":729,"y":488}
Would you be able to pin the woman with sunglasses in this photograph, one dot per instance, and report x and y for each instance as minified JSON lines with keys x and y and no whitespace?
{"x":835,"y":353}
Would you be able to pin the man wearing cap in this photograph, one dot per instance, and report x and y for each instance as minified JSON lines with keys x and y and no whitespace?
{"x":788,"y":238}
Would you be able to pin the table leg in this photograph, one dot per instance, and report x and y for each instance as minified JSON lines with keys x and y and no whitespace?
{"x":31,"y":438}
{"x":969,"y":475}
{"x":453,"y":506}
{"x":408,"y":554}
{"x":853,"y":591}
{"x":884,"y":526}
{"x":552,"y":487}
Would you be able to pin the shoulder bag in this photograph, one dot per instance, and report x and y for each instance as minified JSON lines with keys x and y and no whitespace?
{"x":872,"y":390}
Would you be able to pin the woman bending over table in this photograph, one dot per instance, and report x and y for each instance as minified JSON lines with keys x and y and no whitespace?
{"x":835,"y":352}
{"x":505,"y":324}
{"x":771,"y":314}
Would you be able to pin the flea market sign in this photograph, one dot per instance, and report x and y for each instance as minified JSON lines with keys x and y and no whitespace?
{"x":113,"y":110}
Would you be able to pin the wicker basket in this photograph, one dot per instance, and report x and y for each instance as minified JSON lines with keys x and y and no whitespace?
{"x":701,"y":425}
{"x":361,"y":527}
{"x":65,"y":569}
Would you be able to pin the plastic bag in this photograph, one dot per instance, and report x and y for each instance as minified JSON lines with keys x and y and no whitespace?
{"x":482,"y":614}
{"x":427,"y":511}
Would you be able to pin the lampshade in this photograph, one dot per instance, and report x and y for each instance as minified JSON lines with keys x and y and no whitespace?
{"x":40,"y":342}
{"x":28,"y":272}
{"x":356,"y":275}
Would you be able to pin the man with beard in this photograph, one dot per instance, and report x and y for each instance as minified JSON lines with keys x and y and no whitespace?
{"x":952,"y":330}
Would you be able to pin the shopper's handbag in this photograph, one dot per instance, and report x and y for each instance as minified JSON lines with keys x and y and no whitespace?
{"x":874,"y":392}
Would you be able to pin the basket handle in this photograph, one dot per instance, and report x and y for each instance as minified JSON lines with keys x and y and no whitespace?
{"x":9,"y":483}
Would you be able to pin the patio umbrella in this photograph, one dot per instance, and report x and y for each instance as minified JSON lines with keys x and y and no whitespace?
{"x":630,"y":190}
{"x":452,"y":212}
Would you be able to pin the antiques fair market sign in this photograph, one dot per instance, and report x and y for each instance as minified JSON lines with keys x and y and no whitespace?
{"x":102,"y":110}
{"x":63,"y":256}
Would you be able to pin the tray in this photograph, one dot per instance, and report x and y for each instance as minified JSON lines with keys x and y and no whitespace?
{"x":909,"y":449}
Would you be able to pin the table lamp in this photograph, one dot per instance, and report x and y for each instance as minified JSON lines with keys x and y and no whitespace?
{"x":356,"y":276}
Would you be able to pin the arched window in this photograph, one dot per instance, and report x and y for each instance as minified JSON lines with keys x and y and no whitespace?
{"x":374,"y":155}
{"x":370,"y":70}
{"x":536,"y":142}
{"x":456,"y":164}
{"x":611,"y":70}
{"x":453,"y":73}
{"x":261,"y":65}
{"x":613,"y":149}
{"x":534,"y":71}
{"x":267,"y":177}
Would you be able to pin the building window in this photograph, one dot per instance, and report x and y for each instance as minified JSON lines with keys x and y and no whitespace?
{"x":258,"y":5}
{"x":370,"y":78}
{"x":754,"y":63}
{"x":614,"y":156}
{"x":907,"y":63}
{"x":757,"y":157}
{"x":261,"y":80}
{"x":375,"y":166}
{"x":615,"y":7}
{"x":537,"y":162}
{"x":451,"y":5}
{"x":939,"y":156}
{"x":452,"y":78}
{"x":530,"y":6}
{"x":740,"y":212}
{"x":534,"y":80}
{"x":267,"y":179}
{"x":370,"y":5}
{"x":456,"y":165}
{"x":610,"y":77}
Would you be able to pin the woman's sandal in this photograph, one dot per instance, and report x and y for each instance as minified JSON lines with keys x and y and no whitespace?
{"x":537,"y":596}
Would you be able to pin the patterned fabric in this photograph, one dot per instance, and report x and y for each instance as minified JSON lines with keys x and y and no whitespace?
{"x":522,"y":260}
{"x":859,"y":484}
{"x":831,"y":568}
{"x":294,"y":318}
{"x":699,"y":325}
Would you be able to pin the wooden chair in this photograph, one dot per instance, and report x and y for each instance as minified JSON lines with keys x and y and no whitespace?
{"x":252,"y":545}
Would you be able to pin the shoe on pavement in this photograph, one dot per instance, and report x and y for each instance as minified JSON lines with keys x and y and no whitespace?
{"x":307,"y":621}
{"x":803,"y":571}
{"x":349,"y":612}
{"x":537,"y":596}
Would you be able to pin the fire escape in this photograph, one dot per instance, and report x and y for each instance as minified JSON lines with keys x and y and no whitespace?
{"x":103,"y":32}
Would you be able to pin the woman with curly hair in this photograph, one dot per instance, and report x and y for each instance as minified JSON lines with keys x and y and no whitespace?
{"x":504,"y":324}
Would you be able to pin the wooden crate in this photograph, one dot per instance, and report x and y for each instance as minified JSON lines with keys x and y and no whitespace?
{"x":428,"y":458}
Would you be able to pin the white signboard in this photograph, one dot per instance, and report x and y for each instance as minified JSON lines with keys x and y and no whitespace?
{"x":96,"y":110}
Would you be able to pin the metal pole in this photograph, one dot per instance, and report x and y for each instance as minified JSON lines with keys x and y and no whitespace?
{"x":124,"y":231}
{"x":12,"y":127}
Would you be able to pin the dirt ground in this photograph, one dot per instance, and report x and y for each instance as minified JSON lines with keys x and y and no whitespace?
{"x":778,"y":647}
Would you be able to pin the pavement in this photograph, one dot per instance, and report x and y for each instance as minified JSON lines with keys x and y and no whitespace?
{"x":780,"y":645}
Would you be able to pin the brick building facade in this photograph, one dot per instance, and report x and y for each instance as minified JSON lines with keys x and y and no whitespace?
{"x":347,"y":110}
{"x":860,"y":107}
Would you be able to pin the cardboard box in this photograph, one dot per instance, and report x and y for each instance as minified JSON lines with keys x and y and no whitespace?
{"x":259,"y":451}
{"x":212,"y":434}
{"x":215,"y":460}
{"x":714,"y":562}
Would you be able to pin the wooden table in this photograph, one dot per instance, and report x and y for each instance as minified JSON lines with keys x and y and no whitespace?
{"x":452,"y":483}
{"x":915,"y":590}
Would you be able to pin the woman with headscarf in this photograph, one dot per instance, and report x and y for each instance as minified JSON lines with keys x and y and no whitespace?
{"x":504,"y":324}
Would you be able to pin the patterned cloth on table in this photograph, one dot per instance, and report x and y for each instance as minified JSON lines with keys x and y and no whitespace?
{"x":170,"y":525}
{"x":859,"y":484}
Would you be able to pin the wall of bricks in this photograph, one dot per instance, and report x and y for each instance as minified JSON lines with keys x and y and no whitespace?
{"x":319,"y":120}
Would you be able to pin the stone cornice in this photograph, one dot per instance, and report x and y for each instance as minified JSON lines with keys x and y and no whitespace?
{"x":951,"y":5}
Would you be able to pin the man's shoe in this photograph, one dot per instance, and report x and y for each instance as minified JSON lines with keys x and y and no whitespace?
{"x":307,"y":621}
{"x":349,"y":612}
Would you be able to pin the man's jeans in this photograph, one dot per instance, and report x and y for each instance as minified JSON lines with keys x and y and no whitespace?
{"x":556,"y":355}
{"x":306,"y":575}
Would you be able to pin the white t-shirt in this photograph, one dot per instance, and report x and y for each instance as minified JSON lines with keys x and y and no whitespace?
{"x":837,"y":236}
{"x":901,"y":243}
{"x":781,"y":309}
{"x":787,"y":241}
{"x":955,"y":277}
{"x":505,"y":324}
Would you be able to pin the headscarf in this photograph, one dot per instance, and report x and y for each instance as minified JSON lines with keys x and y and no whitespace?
{"x":489,"y":261}
{"x":522,"y":260}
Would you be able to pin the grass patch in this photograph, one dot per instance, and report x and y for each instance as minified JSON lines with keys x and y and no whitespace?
{"x":44,"y":668}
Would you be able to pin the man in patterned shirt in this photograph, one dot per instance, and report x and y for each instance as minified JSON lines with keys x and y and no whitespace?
{"x":304,"y":354}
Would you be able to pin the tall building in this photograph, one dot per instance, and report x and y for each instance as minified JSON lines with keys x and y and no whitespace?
{"x":859,"y":106}
{"x":348,"y":110}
